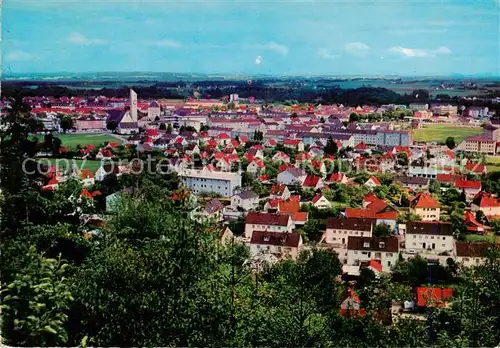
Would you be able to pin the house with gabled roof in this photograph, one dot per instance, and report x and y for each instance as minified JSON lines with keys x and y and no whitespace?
{"x":425,"y":206}
{"x":256,"y":166}
{"x":294,"y":144}
{"x":339,"y":178}
{"x":246,"y":200}
{"x":385,"y":250}
{"x":281,"y":156}
{"x":486,"y":203}
{"x":280,"y":191}
{"x":376,"y":209}
{"x":292,"y":176}
{"x":472,"y":224}
{"x":472,"y":253}
{"x":429,"y":236}
{"x":313,"y":182}
{"x":269,"y":222}
{"x":319,"y":201}
{"x":372,"y":182}
{"x":470,"y":187}
{"x":275,"y":246}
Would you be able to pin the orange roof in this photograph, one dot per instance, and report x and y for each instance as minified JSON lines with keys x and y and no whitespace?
{"x":86,"y":174}
{"x":375,"y":180}
{"x":424,"y":200}
{"x":433,"y":297}
{"x":300,"y":216}
{"x":289,"y":206}
{"x":483,"y":200}
{"x":85,"y":193}
{"x":468,"y":184}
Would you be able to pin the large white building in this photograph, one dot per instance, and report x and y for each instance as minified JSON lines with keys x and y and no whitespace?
{"x":204,"y":180}
{"x":385,"y":250}
{"x":429,"y":237}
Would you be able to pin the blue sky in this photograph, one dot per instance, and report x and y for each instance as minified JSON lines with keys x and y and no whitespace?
{"x":259,"y":37}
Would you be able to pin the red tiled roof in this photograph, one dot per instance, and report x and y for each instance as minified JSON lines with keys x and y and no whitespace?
{"x":336,"y":177}
{"x":361,"y":146}
{"x":433,"y":297}
{"x":375,"y":180}
{"x":289,"y":206}
{"x":484,"y":200}
{"x":316,"y":198}
{"x":311,"y":181}
{"x":468,"y":184}
{"x":278,"y":189}
{"x":424,"y":200}
{"x":448,"y":178}
{"x":291,"y":141}
{"x":475,"y":167}
{"x":376,"y":265}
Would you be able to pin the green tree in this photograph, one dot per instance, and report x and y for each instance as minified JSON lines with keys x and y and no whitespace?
{"x":111,"y":125}
{"x":170,"y":129}
{"x":162,"y":126}
{"x":36,"y":304}
{"x":382,"y":230}
{"x":353,"y":117}
{"x":450,"y":142}
{"x":66,"y":123}
{"x":331,"y":147}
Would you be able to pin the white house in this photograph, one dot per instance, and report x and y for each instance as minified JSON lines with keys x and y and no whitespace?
{"x":247,"y":200}
{"x":256,"y":166}
{"x":270,"y":222}
{"x":339,"y":230}
{"x":205,"y":180}
{"x":292,"y":176}
{"x":385,"y":250}
{"x":320,"y":202}
{"x":429,"y":237}
{"x":470,"y":254}
{"x":280,"y":245}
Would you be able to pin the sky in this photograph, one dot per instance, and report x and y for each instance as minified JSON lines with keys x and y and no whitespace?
{"x":360,"y":37}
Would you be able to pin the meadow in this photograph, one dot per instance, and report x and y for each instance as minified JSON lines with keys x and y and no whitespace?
{"x":493,"y":164}
{"x":63,"y":164}
{"x":439,"y":132}
{"x":71,"y":140}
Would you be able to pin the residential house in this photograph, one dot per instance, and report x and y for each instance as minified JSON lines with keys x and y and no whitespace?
{"x":319,"y":201}
{"x":87,"y":178}
{"x":338,"y":231}
{"x":294,"y":144}
{"x":256,"y":166}
{"x":479,"y":144}
{"x":313,"y":182}
{"x":275,"y":244}
{"x":338,"y":178}
{"x":486,"y":203}
{"x":247,"y":200}
{"x":292,"y":176}
{"x":203,"y":180}
{"x":372,"y":182}
{"x":214,"y":209}
{"x":470,"y":187}
{"x":429,"y":236}
{"x":280,"y":191}
{"x":426,"y":207}
{"x":376,"y":209}
{"x":361,"y":250}
{"x":471,"y":253}
{"x":106,"y":169}
{"x":351,"y":306}
{"x":270,"y":222}
{"x":281,"y":157}
{"x":413,"y":183}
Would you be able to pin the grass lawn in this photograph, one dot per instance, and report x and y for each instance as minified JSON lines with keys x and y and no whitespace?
{"x":439,"y":133}
{"x":72,"y":139}
{"x":480,"y":238}
{"x":493,"y":163}
{"x":80,"y":164}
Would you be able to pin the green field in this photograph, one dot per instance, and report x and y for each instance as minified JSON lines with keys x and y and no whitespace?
{"x":74,"y":139}
{"x":439,"y":133}
{"x":80,"y":164}
{"x":493,"y":163}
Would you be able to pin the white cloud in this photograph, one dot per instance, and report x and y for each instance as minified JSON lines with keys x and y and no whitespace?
{"x":419,"y":52}
{"x":270,"y":46}
{"x":166,"y":43}
{"x":357,"y":48}
{"x":80,"y":39}
{"x":325,"y":54}
{"x":258,"y":60}
{"x":19,"y":55}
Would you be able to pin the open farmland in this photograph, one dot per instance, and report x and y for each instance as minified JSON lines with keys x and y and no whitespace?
{"x":63,"y":164}
{"x":493,"y":163}
{"x":71,"y":140}
{"x":439,"y":132}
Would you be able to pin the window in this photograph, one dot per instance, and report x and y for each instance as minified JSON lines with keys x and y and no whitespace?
{"x":444,"y":238}
{"x":443,"y":245}
{"x":388,"y":263}
{"x":266,"y":238}
{"x":466,"y":259}
{"x":414,"y":236}
{"x":388,"y":254}
{"x":381,"y":245}
{"x":366,"y":245}
{"x":355,"y":253}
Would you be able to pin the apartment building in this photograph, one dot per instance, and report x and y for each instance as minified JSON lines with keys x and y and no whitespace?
{"x":204,"y":180}
{"x":429,"y":236}
{"x":426,"y":207}
{"x":384,"y":250}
